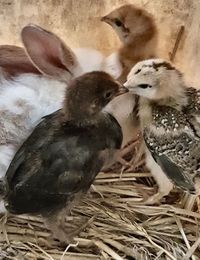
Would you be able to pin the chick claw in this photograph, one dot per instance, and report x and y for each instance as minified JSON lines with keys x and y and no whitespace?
{"x":154,"y":199}
{"x":60,"y":234}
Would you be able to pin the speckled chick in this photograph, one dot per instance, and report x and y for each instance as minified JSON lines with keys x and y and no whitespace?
{"x":61,"y":158}
{"x":170,"y":120}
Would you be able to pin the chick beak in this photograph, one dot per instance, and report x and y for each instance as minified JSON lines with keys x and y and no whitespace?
{"x":103,"y":19}
{"x":122,"y":90}
{"x":130,"y":87}
{"x":106,"y":19}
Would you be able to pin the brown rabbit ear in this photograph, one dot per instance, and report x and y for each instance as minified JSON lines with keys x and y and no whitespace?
{"x":48,"y":53}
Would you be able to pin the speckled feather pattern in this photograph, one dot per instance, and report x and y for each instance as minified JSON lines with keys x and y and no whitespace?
{"x":169,"y":118}
{"x":171,"y":134}
{"x":193,"y":101}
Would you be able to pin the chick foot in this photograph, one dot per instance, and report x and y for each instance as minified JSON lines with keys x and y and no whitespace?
{"x":164,"y":190}
{"x":59,"y":233}
{"x":154,"y":199}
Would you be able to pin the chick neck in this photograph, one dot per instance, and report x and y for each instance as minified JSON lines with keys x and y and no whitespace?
{"x":178,"y":102}
{"x":80,"y":117}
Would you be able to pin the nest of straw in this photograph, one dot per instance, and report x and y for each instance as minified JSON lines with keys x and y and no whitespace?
{"x":118,"y":225}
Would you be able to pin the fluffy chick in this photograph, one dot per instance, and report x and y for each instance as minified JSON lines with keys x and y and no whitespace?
{"x":169,"y":115}
{"x":61,"y":158}
{"x":137,"y":31}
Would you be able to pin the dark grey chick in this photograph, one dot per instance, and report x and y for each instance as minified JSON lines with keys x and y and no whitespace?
{"x":59,"y":161}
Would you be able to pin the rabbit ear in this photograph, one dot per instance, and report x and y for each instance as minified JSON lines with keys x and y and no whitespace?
{"x":48,"y":53}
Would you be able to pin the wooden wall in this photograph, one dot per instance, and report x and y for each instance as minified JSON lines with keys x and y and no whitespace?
{"x":77,"y":23}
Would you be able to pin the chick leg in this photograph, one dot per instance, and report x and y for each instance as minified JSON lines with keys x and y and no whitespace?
{"x":56,"y":223}
{"x":164,"y":184}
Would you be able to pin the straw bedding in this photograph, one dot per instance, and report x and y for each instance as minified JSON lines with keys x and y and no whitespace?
{"x":117,"y":224}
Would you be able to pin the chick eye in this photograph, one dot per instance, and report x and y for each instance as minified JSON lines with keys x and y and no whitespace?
{"x":108,"y":94}
{"x":118,"y":22}
{"x":138,"y":71}
{"x":144,"y":86}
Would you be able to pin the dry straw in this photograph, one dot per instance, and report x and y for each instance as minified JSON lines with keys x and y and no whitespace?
{"x":119,"y":226}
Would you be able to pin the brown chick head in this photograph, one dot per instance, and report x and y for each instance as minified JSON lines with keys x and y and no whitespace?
{"x":155,"y":79}
{"x":130,"y":21}
{"x":90,"y":93}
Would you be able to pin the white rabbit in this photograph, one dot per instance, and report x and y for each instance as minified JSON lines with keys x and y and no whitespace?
{"x":27,"y":97}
